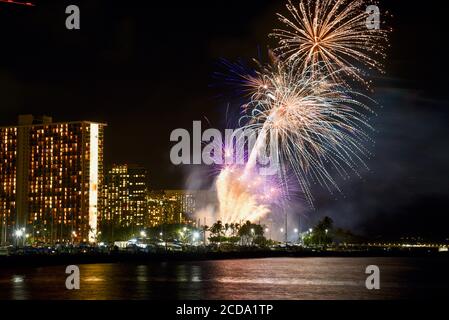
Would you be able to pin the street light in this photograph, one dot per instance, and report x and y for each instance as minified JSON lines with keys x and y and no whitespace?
{"x":310,"y":230}
{"x":18,"y":234}
{"x":143,"y":234}
{"x":282,"y":230}
{"x":295,"y":230}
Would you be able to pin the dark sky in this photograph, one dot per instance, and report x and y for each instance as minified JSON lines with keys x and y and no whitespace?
{"x":147,"y":68}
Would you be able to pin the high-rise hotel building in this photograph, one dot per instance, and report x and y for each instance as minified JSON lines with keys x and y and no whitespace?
{"x":125,"y":197}
{"x":51,"y":178}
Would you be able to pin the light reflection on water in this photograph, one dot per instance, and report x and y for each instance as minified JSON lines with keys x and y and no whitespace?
{"x":274,"y":278}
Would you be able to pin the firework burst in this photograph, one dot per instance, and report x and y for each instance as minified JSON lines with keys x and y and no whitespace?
{"x":319,"y":127}
{"x":333,"y":34}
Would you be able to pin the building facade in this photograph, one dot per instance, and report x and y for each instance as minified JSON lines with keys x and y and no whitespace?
{"x":186,"y":200}
{"x":170,"y":207}
{"x":51,"y":177}
{"x":125,"y":198}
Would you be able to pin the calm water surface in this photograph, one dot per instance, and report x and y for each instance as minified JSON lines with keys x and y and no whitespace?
{"x":273,"y":278}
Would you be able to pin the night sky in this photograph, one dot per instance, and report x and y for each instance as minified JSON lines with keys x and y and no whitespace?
{"x":146,"y":68}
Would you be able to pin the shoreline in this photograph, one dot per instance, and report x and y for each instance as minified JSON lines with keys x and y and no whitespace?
{"x":142,"y":258}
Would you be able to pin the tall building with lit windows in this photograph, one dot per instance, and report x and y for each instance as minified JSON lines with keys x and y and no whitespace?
{"x":51,"y":179}
{"x":186,"y":200}
{"x":171,"y":206}
{"x":162,"y":209}
{"x":125,"y":198}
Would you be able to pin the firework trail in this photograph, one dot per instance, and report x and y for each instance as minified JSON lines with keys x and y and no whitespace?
{"x":333,"y":34}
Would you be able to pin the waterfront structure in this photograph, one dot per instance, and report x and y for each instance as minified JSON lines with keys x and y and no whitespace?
{"x":51,"y":177}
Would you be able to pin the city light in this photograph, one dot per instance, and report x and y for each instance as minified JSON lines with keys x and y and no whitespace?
{"x":19,"y":233}
{"x":143,"y":234}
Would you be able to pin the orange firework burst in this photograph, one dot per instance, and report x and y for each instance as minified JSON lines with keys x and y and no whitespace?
{"x":333,"y":34}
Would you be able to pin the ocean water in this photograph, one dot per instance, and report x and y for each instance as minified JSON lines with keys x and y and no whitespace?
{"x":271,"y":278}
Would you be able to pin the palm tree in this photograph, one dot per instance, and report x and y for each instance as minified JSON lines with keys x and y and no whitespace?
{"x":232,"y":226}
{"x":216,"y":228}
{"x":226,"y":228}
